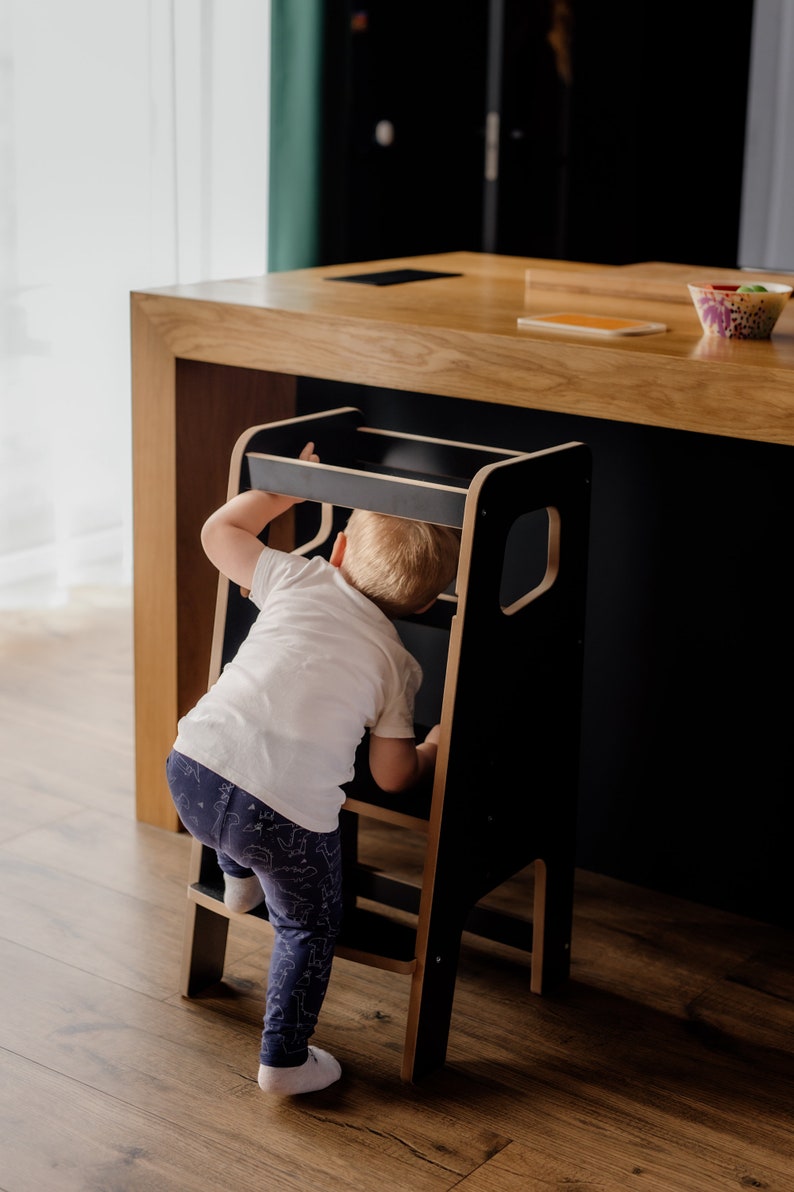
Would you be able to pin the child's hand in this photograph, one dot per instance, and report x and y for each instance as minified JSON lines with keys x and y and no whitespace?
{"x":434,"y":734}
{"x":309,"y":455}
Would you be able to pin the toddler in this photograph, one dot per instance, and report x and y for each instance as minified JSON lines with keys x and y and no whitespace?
{"x":258,"y":765}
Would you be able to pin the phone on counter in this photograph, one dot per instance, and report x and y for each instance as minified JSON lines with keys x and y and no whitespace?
{"x":592,"y":324}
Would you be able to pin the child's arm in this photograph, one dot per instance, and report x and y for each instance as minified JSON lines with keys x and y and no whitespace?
{"x":230,"y":535}
{"x":398,"y":763}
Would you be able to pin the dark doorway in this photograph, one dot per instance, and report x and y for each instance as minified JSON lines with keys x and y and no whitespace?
{"x":620,"y":129}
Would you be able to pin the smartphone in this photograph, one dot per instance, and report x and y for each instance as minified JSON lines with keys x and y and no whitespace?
{"x":593,"y":324}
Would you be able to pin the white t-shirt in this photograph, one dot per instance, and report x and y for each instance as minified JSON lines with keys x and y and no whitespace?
{"x":320,"y":664}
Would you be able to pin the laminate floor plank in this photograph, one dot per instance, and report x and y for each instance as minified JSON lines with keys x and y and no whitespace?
{"x":194,"y":1074}
{"x":520,"y":1168}
{"x":54,"y":759}
{"x":571,"y":1069}
{"x":108,"y":851}
{"x":91,"y":1141}
{"x":118,"y":936}
{"x":21,"y":812}
{"x":66,"y":701}
{"x":665,"y":1065}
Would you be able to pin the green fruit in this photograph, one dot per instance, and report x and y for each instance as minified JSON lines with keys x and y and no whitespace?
{"x":751,"y":290}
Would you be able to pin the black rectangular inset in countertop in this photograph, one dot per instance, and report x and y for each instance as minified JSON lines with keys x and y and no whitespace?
{"x":393,"y":277}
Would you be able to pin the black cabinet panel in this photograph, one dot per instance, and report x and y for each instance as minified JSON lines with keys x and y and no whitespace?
{"x":687,"y":749}
{"x":404,"y":118}
{"x":621,"y":129}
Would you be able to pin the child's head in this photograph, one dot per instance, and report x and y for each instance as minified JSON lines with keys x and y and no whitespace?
{"x":401,"y":565}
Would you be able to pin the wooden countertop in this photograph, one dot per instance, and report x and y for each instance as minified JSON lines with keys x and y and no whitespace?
{"x":458,"y":336}
{"x":454,"y":336}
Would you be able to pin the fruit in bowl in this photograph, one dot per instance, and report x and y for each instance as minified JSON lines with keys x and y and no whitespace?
{"x":739,"y":310}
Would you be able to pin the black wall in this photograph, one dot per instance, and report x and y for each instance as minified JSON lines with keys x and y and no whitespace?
{"x":687,"y":749}
{"x":687,"y":743}
{"x":636,"y":154}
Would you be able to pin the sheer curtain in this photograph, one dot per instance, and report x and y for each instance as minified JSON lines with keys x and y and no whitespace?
{"x":766,"y":237}
{"x":133,"y":154}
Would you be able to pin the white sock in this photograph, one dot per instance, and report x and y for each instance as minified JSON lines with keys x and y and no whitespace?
{"x":319,"y":1070}
{"x":242,"y":894}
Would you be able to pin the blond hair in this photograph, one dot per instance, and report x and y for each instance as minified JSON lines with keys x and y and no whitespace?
{"x":401,"y":565}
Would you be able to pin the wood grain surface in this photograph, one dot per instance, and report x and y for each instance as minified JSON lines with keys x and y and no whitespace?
{"x":212,"y":358}
{"x":666,"y":1065}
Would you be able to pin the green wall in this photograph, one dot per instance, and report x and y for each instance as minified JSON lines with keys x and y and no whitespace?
{"x":295,"y":133}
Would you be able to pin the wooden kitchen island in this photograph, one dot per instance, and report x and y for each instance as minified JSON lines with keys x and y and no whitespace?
{"x":443,"y":355}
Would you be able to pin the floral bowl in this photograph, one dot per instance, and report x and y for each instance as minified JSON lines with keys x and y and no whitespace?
{"x":741,"y":309}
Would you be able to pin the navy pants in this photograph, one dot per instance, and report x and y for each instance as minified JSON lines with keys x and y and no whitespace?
{"x":301,"y":875}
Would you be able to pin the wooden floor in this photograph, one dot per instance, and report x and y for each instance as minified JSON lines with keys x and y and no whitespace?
{"x":667,"y":1064}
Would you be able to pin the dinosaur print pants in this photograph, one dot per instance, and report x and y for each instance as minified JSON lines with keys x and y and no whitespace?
{"x":301,"y":876}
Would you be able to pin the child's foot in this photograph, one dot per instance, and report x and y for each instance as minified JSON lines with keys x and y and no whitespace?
{"x":242,"y":894}
{"x":319,"y":1070}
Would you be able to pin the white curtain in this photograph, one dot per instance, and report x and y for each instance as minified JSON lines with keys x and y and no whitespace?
{"x":133,"y":154}
{"x":766,"y":237}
